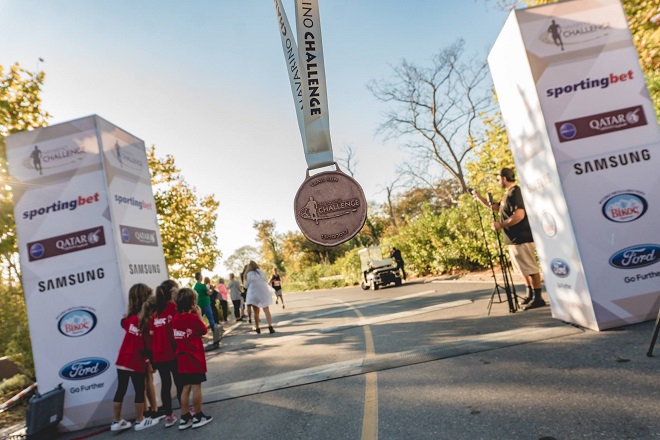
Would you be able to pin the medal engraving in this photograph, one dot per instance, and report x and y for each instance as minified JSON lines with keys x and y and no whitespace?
{"x":330,"y":208}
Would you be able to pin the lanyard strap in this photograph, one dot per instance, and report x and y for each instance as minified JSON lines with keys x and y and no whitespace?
{"x":307,"y":80}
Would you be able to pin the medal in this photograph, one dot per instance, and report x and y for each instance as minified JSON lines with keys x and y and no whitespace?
{"x":330,"y":208}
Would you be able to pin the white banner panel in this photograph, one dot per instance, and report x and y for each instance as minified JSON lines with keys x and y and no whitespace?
{"x":580,"y":99}
{"x":75,"y":272}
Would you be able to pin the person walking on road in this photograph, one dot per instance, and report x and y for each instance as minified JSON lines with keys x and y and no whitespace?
{"x":276,"y":283}
{"x":258,"y":294}
{"x":204,"y":303}
{"x":398,"y":259}
{"x":235,"y":296}
{"x":517,"y":235}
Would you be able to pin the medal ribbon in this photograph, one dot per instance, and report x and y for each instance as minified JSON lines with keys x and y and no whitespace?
{"x":307,"y":80}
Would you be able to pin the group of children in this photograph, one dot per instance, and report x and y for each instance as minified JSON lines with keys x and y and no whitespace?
{"x":164,"y":333}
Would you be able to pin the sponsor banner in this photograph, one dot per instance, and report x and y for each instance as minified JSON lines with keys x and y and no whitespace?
{"x":54,"y":153}
{"x":139,"y":236}
{"x":74,"y":301}
{"x":601,"y":123}
{"x":566,"y":31}
{"x":578,"y":91}
{"x":66,"y":243}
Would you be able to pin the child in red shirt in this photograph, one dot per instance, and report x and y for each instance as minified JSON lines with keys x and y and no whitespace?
{"x":131,"y":363}
{"x":188,"y":329}
{"x":164,"y":347}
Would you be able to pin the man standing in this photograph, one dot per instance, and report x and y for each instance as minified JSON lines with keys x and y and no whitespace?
{"x":517,"y":235}
{"x":398,"y":259}
{"x":204,"y":303}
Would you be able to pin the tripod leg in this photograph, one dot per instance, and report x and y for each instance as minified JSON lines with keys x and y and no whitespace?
{"x":655,"y":335}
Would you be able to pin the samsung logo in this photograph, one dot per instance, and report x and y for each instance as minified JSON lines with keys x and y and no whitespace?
{"x":624,"y":208}
{"x":560,"y":268}
{"x":84,"y":368}
{"x":636,"y":256}
{"x":77,"y":323}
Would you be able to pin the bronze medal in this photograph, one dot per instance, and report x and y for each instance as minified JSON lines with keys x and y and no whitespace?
{"x":330,"y":208}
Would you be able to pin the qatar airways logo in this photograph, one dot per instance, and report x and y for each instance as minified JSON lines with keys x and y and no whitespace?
{"x":634,"y":257}
{"x":624,"y":207}
{"x":65,"y":244}
{"x":601,"y":123}
{"x":139,"y":236}
{"x":181,"y":334}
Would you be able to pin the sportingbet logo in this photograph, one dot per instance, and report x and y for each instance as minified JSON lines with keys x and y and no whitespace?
{"x":61,"y":205}
{"x":589,"y":83}
{"x":601,"y":123}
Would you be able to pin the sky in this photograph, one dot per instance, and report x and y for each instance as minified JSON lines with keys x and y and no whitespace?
{"x":206,"y":82}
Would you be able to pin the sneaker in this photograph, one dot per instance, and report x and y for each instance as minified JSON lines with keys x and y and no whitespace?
{"x":157,"y":415}
{"x":170,"y":420}
{"x":186,"y":421}
{"x":146,"y":423}
{"x":120,"y":425}
{"x":200,"y":420}
{"x":283,"y":306}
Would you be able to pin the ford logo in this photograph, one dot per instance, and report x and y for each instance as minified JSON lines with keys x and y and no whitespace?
{"x":560,"y":268}
{"x":623,"y":208}
{"x":77,"y":323}
{"x":37,"y":250}
{"x":125,"y":235}
{"x":636,"y":256}
{"x":84,"y":368}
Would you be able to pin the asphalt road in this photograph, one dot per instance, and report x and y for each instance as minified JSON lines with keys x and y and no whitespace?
{"x":423,"y":361}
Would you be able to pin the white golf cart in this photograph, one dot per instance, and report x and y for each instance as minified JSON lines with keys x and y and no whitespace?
{"x":378,"y":269}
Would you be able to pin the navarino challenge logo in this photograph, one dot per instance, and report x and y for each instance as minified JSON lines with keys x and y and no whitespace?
{"x":315,"y":211}
{"x":560,"y":268}
{"x":139,"y":236}
{"x":76,"y":322}
{"x":65,"y":244}
{"x":127,"y":158}
{"x":601,"y":123}
{"x":573,"y":33}
{"x":634,"y":257}
{"x":624,"y":207}
{"x":54,"y":157}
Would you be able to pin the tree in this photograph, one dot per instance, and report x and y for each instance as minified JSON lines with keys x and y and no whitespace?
{"x":186,"y":221}
{"x":239,"y":258}
{"x":435,"y":109}
{"x":270,"y":251}
{"x":20,"y":110}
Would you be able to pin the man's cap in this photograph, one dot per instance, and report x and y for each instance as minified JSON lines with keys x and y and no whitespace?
{"x":508,"y":173}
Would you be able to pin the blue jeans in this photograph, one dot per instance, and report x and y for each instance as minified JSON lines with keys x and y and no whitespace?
{"x":206,"y":311}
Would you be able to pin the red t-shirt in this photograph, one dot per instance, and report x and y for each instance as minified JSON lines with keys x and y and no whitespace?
{"x":131,"y":352}
{"x":188,"y":330}
{"x":163,"y":344}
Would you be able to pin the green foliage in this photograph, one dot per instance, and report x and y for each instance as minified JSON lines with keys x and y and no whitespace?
{"x":15,"y":384}
{"x":14,"y":330}
{"x":186,"y":221}
{"x":270,"y":252}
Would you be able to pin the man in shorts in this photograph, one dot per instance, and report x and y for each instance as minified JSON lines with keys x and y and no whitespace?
{"x":518,"y":236}
{"x":276,"y":283}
